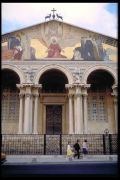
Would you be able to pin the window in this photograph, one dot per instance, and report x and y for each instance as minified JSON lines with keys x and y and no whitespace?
{"x":96,"y":107}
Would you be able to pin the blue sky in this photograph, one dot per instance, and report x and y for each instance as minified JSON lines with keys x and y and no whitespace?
{"x":112,"y":7}
{"x":98,"y":17}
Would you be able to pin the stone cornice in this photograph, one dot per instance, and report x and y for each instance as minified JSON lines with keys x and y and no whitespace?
{"x":36,"y":86}
{"x":66,"y":62}
{"x":69,"y":86}
{"x":24,"y":85}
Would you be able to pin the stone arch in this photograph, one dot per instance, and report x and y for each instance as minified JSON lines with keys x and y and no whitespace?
{"x":65,"y":71}
{"x":106,"y":68}
{"x":16,"y":70}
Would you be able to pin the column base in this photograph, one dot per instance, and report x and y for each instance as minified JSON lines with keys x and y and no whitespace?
{"x":20,"y":132}
{"x":35,"y":132}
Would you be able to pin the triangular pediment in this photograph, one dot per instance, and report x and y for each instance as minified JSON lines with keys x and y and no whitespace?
{"x":70,"y":38}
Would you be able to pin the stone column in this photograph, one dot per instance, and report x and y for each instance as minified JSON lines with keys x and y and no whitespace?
{"x":79,"y":119}
{"x":116,"y":114}
{"x":27,"y":113}
{"x":20,"y":128}
{"x":70,"y":114}
{"x":21,"y":108}
{"x":70,"y":95}
{"x":114,"y":87}
{"x":31,"y":114}
{"x":79,"y":111}
{"x":36,"y":92}
{"x":35,"y":114}
{"x":85,"y":111}
{"x":75,"y":113}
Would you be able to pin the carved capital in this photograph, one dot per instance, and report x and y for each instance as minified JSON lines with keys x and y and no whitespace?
{"x":70,"y":95}
{"x":85,"y":94}
{"x":87,"y":85}
{"x":19,"y":86}
{"x":114,"y":87}
{"x":35,"y":95}
{"x":37,"y":86}
{"x":78,"y":95}
{"x":28,"y":95}
{"x":114,"y":94}
{"x":68,"y":86}
{"x":21,"y":95}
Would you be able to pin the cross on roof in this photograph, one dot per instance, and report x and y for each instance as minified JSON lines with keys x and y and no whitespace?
{"x":53,"y":13}
{"x":53,"y":10}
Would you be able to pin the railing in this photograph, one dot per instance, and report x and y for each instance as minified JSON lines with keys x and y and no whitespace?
{"x":57,"y":144}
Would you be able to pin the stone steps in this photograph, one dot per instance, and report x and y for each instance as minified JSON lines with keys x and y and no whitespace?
{"x":55,"y":158}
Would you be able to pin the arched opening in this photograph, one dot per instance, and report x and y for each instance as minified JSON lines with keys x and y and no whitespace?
{"x":100,"y":104}
{"x":53,"y":81}
{"x":10,"y":102}
{"x":53,"y":100}
{"x":101,"y":81}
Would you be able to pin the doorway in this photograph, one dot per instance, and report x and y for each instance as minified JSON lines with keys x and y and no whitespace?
{"x":54,"y":119}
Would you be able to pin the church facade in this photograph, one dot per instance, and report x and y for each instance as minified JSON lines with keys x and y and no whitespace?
{"x":58,"y":79}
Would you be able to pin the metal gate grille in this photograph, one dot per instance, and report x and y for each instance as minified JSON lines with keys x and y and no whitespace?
{"x":52,"y":144}
{"x":57,"y":144}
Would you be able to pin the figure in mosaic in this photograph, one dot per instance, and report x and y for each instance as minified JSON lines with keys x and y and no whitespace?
{"x":17,"y":52}
{"x":54,"y":50}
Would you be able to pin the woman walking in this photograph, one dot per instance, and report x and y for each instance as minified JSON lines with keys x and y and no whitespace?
{"x":69,"y":151}
{"x":85,"y":148}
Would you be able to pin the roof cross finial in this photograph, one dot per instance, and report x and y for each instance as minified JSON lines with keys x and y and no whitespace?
{"x":53,"y":13}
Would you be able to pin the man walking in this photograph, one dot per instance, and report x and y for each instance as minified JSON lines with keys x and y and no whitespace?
{"x":77,"y":149}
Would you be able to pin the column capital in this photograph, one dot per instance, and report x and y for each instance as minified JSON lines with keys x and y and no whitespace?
{"x":78,"y":94}
{"x":70,"y":95}
{"x":37,"y":86}
{"x":68,"y":86}
{"x":87,"y":85}
{"x":78,"y":85}
{"x":28,"y":85}
{"x":28,"y":95}
{"x":114,"y":86}
{"x":35,"y":95}
{"x":24,"y":85}
{"x":85,"y":94}
{"x":19,"y":86}
{"x":21,"y":95}
{"x":114,"y":93}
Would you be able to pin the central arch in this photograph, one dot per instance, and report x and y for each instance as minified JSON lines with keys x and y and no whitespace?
{"x":53,"y":98}
{"x":53,"y":81}
{"x":64,"y":70}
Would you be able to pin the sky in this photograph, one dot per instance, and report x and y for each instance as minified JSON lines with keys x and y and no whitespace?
{"x":97,"y":17}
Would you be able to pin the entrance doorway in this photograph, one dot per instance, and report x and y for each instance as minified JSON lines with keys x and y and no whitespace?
{"x":54,"y":119}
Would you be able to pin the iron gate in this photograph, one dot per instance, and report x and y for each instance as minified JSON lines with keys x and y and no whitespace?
{"x":57,"y":144}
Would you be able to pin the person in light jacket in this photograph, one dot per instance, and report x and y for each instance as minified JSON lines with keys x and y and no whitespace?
{"x":85,"y":148}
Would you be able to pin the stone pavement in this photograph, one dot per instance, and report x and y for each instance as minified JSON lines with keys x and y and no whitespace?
{"x":58,"y":159}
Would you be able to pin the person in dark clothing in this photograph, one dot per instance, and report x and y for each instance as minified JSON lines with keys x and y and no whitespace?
{"x":77,"y":149}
